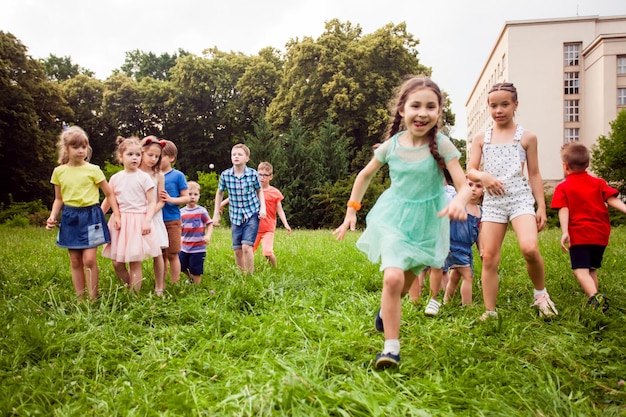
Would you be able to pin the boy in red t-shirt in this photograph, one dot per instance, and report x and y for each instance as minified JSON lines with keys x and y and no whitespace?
{"x":267,"y":226}
{"x":582,"y":202}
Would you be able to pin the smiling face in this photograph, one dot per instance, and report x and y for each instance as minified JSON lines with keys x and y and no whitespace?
{"x":502,"y":106}
{"x":421,"y":112}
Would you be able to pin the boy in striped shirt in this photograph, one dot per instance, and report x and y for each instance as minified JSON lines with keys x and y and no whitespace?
{"x":197,"y":228}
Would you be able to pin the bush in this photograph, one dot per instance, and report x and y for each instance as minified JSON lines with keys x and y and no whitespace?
{"x":17,"y":221}
{"x":26,"y":210}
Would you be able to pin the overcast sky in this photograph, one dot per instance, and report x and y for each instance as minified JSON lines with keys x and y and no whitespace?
{"x":456,"y":36}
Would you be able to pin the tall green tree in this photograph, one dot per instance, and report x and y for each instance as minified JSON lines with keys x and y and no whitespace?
{"x":84,"y":96}
{"x":62,"y":69}
{"x":609,"y":154}
{"x":139,"y":64}
{"x":32,"y":110}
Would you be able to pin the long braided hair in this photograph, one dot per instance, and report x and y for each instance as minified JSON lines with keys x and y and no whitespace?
{"x":396,"y":123}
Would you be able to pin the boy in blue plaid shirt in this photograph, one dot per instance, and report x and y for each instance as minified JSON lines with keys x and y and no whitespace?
{"x":247,"y":205}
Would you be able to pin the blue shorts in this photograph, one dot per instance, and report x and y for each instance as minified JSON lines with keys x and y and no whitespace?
{"x":192,"y":262}
{"x":83,"y":228}
{"x":458,"y":259}
{"x":586,"y":256}
{"x":245,"y":233}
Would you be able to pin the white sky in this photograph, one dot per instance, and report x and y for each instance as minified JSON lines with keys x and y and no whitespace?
{"x":456,"y":36}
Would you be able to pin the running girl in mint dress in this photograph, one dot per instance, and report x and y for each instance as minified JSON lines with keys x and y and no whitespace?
{"x":408,"y":227}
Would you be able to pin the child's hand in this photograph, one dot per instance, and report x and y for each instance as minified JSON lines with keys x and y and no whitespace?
{"x":262,"y":214}
{"x":117,"y":221}
{"x":145,"y":228}
{"x":541,"y":219}
{"x":492,"y":185}
{"x":164,"y":196}
{"x":288,"y":229}
{"x":206,"y":239}
{"x":454,"y":211}
{"x":348,"y":223}
{"x":565,"y":242}
{"x":51,"y":223}
{"x":216,"y":219}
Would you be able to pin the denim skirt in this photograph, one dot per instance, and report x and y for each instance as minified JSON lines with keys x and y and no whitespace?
{"x":83,"y":228}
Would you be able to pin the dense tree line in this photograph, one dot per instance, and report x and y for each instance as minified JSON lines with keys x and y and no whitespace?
{"x":314,"y":111}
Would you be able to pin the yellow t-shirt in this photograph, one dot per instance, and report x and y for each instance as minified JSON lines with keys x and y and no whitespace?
{"x":79,"y":185}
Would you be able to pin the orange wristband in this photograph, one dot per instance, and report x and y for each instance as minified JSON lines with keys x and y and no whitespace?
{"x":355,"y":205}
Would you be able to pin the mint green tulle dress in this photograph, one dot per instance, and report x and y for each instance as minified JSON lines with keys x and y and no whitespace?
{"x":402,"y":229}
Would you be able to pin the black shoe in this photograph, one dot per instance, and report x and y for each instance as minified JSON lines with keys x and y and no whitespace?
{"x":387,"y":360}
{"x":598,"y":302}
{"x":378,"y":323}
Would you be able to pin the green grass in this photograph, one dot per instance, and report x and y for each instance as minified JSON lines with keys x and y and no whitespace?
{"x":299,"y":340}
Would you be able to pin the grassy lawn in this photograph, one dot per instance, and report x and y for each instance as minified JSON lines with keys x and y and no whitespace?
{"x":299,"y":340}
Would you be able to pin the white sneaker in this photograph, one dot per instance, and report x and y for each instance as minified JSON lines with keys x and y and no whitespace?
{"x":488,"y":315}
{"x":545,"y":305}
{"x":432,"y":309}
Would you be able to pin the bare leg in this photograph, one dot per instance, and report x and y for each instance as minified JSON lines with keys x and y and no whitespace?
{"x":453,"y":283}
{"x":586,"y":281}
{"x":466,"y":285}
{"x":390,"y":302}
{"x":78,"y":272}
{"x":525,"y":227}
{"x":91,"y":271}
{"x":174,"y":262}
{"x":121,"y":272}
{"x":436,"y":276}
{"x":415,"y":291}
{"x":239,"y":260}
{"x":492,"y":241}
{"x":272,"y":260}
{"x":159,"y":283}
{"x":248,"y":258}
{"x":136,"y":276}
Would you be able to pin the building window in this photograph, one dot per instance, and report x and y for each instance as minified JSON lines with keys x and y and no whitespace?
{"x":572,"y":110}
{"x":571,"y":135}
{"x":621,"y":96}
{"x":571,"y":82}
{"x":621,"y":65}
{"x":571,"y":54}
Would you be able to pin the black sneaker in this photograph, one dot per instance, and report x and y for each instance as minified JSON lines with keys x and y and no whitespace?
{"x":378,"y":323}
{"x":387,"y":360}
{"x":598,"y":302}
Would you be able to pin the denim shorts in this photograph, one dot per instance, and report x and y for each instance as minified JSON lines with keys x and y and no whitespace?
{"x":245,"y":233}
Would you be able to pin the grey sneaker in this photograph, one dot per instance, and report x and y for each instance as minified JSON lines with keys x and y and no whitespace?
{"x":432,"y":309}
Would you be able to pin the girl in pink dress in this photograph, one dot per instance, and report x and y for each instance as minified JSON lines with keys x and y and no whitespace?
{"x":133,"y":242}
{"x":152,"y":149}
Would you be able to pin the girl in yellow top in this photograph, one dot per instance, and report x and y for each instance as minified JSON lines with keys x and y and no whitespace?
{"x":83,"y":226}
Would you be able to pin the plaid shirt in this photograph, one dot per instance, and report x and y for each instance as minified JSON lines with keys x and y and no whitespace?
{"x":242,"y":193}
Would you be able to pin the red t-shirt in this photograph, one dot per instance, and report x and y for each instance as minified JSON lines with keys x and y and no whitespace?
{"x":585,"y":197}
{"x":272,"y":197}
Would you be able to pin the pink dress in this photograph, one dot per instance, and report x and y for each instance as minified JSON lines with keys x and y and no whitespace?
{"x":128,"y":244}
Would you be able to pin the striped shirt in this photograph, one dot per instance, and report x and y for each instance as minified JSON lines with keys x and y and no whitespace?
{"x":242,"y":194}
{"x":194,"y":222}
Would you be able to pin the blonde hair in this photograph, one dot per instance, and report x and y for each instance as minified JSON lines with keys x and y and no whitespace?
{"x":242,"y":146}
{"x":124,"y":143}
{"x":72,"y":136}
{"x":193,"y":185}
{"x":266,"y":166}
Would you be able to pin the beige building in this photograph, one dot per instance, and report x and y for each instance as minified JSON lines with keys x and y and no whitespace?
{"x":570,"y":76}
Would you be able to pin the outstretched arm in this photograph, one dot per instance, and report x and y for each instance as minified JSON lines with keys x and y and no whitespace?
{"x":617,"y":204}
{"x":359,"y":188}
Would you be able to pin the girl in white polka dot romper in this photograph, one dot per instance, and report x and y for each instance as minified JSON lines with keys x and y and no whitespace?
{"x":506,"y":149}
